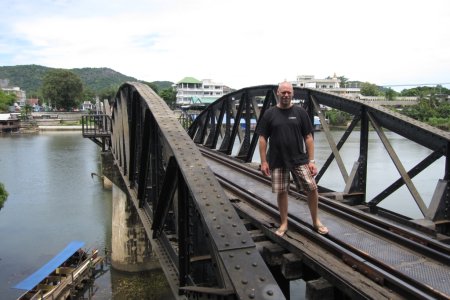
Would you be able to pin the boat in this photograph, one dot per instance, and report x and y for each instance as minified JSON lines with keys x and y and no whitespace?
{"x":62,"y":275}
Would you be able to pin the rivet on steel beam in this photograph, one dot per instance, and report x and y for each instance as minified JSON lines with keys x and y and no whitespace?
{"x":248,"y":252}
{"x":244,"y":281}
{"x":237,"y":267}
{"x":230,"y":217}
{"x":238,"y":233}
{"x":262,"y":278}
{"x":270,"y":292}
{"x":252,"y":295}
{"x":222,"y":235}
{"x":254,"y":264}
{"x":243,"y":241}
{"x":211,"y":211}
{"x":231,"y":255}
{"x":227,"y":244}
{"x":214,"y":218}
{"x":218,"y":227}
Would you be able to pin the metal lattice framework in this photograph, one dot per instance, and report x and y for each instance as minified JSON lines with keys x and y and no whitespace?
{"x":227,"y":126}
{"x":175,"y":191}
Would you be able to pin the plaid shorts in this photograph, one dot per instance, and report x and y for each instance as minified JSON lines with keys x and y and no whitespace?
{"x":302,"y":178}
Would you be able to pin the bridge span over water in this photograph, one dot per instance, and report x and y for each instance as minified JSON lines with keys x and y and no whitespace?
{"x":210,"y":215}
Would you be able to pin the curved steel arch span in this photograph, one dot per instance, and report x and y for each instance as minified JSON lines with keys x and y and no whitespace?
{"x":228,"y":124}
{"x":174,"y":189}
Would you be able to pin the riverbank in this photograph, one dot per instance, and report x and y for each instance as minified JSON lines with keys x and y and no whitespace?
{"x":59,"y":127}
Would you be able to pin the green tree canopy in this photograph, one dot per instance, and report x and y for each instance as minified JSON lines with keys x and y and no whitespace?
{"x":6,"y":101}
{"x":62,"y":89}
{"x":390,"y":94}
{"x":342,"y":81}
{"x":169,"y":95}
{"x":108,"y":93}
{"x":369,"y":89}
{"x":3,"y":195}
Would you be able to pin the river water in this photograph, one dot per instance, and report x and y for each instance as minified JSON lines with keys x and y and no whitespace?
{"x":53,"y":199}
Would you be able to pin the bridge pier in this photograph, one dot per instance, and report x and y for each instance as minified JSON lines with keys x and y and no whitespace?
{"x":131,"y":249}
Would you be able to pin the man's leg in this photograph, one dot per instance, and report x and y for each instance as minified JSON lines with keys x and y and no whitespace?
{"x":282,"y":199}
{"x":306,"y":182}
{"x":313,"y":204}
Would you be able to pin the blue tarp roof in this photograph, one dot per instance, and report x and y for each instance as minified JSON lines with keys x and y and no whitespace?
{"x":45,"y":270}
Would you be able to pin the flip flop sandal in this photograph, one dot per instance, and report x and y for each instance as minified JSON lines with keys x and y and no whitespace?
{"x":280,"y":233}
{"x":323,"y":230}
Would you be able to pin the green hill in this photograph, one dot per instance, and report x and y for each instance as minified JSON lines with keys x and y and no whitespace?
{"x":29,"y":78}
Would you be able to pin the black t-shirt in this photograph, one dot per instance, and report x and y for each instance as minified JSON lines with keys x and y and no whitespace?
{"x":285,"y":130}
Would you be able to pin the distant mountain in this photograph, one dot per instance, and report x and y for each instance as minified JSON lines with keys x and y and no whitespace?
{"x":29,"y":78}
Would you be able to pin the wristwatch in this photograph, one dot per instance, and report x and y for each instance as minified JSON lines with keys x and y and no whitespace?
{"x":312,"y":161}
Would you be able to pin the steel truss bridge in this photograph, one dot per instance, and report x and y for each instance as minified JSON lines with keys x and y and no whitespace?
{"x":210,"y":214}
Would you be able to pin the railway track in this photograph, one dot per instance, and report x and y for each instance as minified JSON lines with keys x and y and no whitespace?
{"x":364,"y":255}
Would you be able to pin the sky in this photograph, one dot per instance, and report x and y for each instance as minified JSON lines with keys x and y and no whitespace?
{"x":239,"y":43}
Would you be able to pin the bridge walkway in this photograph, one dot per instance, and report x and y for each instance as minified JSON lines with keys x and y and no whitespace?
{"x":402,"y":261}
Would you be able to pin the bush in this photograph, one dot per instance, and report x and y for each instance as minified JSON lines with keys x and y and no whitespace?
{"x":441,"y":123}
{"x":337,"y":117}
{"x":3,"y":195}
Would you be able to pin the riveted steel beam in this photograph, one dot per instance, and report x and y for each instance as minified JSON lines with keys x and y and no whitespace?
{"x":166,"y":174}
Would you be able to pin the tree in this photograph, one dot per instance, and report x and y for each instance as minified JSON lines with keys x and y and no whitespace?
{"x":6,"y":101}
{"x":3,"y":195}
{"x":369,"y":89}
{"x":390,"y":94}
{"x":108,"y":93}
{"x":26,"y":111}
{"x":62,"y":88}
{"x":169,"y":95}
{"x":342,"y":81}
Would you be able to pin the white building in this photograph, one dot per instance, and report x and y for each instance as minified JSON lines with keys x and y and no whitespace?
{"x":330,"y":85}
{"x":21,"y":95}
{"x":192,"y":91}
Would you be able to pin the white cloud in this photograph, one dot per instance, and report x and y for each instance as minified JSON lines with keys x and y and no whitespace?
{"x":239,"y":43}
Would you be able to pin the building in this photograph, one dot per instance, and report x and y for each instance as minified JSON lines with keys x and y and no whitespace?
{"x":9,"y":123}
{"x":308,"y":81}
{"x":21,"y":95}
{"x":192,"y":91}
{"x":87,"y":106}
{"x":331,"y":85}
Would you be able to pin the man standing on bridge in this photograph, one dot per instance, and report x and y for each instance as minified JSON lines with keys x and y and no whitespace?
{"x":286,"y":127}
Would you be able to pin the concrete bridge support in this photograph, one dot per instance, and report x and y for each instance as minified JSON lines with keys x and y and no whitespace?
{"x":131,"y":249}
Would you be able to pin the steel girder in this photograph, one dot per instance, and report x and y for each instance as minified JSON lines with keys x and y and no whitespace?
{"x":174,"y":190}
{"x":224,"y":124}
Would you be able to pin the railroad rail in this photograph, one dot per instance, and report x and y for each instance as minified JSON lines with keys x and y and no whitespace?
{"x":406,"y":263}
